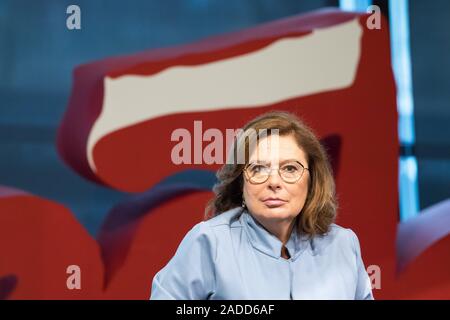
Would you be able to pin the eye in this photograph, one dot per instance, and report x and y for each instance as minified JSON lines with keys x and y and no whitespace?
{"x":256,"y":168}
{"x":290,"y":168}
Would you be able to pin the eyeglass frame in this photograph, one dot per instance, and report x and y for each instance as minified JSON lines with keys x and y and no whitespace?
{"x":270,"y":173}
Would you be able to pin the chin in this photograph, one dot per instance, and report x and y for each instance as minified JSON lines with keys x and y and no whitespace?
{"x":276,"y":213}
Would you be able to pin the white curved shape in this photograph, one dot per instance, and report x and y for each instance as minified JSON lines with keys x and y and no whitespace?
{"x":327,"y":59}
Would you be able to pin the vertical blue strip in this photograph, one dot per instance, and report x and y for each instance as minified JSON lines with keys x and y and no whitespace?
{"x":409,"y":199}
{"x":354,"y":5}
{"x":401,"y":63}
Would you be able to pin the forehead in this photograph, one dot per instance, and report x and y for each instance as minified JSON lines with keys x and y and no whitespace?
{"x":276,"y":148}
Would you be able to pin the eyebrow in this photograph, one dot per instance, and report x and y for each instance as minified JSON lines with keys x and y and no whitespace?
{"x":281,"y":162}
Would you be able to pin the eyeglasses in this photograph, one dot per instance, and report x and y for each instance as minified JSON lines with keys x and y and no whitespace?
{"x":290,"y":172}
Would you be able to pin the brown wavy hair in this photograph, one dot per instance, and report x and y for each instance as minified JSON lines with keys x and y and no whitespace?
{"x":319,"y":211}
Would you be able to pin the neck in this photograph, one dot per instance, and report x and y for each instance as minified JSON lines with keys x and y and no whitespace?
{"x":280,"y":229}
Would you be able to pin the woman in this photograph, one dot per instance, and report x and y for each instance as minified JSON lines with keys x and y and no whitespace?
{"x":272,"y":235}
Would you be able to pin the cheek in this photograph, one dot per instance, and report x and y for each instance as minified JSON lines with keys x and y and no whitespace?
{"x":251,"y":192}
{"x":299,"y":193}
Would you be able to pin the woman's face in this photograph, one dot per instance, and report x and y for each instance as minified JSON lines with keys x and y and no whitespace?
{"x":276,"y":199}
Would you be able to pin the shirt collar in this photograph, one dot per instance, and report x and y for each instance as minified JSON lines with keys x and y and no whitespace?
{"x":267,"y":243}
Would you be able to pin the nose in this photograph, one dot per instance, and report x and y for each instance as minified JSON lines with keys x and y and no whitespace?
{"x":274,"y":181}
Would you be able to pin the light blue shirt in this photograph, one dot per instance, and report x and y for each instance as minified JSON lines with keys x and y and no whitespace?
{"x":232,"y":256}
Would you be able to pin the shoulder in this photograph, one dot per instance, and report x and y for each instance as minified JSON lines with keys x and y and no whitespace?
{"x":206,"y":232}
{"x":226,"y":219}
{"x":338,"y":237}
{"x":340,"y":231}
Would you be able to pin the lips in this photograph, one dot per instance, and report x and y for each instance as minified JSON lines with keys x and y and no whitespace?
{"x":274,"y":202}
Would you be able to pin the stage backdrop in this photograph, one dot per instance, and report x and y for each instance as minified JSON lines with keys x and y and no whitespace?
{"x":326,"y":66}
